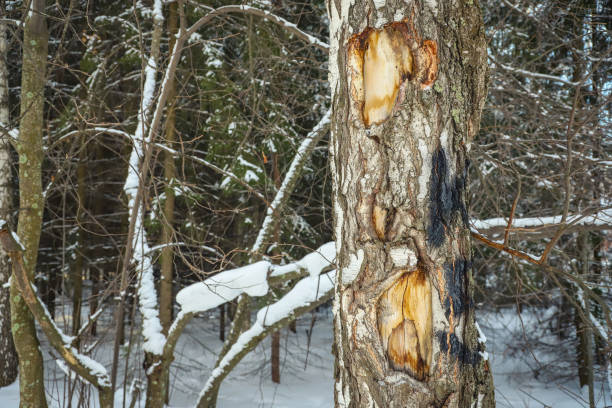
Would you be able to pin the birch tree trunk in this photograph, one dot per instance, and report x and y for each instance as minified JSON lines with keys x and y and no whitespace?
{"x":8,"y":366}
{"x":408,"y":83}
{"x":31,"y":202}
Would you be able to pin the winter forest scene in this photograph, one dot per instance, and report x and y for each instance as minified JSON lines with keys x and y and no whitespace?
{"x":305,"y":203}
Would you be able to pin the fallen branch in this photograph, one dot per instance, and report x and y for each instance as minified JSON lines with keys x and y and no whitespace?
{"x":85,"y":367}
{"x":307,"y":294}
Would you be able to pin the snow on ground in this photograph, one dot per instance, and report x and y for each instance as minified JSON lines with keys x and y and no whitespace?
{"x":513,"y":364}
{"x":307,"y":372}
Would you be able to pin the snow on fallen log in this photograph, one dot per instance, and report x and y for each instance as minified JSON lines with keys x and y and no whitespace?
{"x":251,"y":279}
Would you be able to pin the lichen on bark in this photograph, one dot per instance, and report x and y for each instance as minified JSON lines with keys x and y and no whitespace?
{"x":31,"y":202}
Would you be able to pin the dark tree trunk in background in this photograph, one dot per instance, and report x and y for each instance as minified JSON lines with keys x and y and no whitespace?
{"x":408,"y":84}
{"x":275,"y":337}
{"x":79,"y":263}
{"x":275,"y":357}
{"x":222,"y":322}
{"x":167,"y":255}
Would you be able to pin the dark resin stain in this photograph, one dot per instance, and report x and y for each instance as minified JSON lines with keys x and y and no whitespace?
{"x":446,"y":199}
{"x":455,"y":277}
{"x":451,"y":343}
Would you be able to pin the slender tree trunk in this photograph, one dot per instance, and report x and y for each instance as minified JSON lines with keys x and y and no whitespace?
{"x":9,"y":361}
{"x":408,"y":83}
{"x":167,"y":255}
{"x":135,"y":192}
{"x":584,"y":331}
{"x":222,"y":322}
{"x":31,"y":202}
{"x":275,"y":357}
{"x":79,"y":264}
{"x":275,"y":340}
{"x":99,"y":238}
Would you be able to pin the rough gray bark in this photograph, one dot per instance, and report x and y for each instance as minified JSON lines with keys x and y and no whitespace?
{"x":9,"y":362}
{"x":408,"y":83}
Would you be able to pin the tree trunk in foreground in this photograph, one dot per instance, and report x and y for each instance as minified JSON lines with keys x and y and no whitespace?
{"x":31,"y":202}
{"x":408,"y":83}
{"x":9,"y":361}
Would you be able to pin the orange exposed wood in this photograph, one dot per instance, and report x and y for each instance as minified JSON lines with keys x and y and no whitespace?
{"x":405,"y":323}
{"x":430,"y":63}
{"x":379,"y":219}
{"x":387,"y":61}
{"x":380,"y":61}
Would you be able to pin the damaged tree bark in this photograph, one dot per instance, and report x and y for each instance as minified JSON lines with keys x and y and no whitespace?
{"x":408,"y":83}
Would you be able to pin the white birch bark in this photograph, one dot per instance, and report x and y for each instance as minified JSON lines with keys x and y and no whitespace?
{"x":9,"y":364}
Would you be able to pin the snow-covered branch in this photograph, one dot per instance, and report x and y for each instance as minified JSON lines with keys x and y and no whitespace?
{"x":147,"y":297}
{"x":84,"y":366}
{"x":307,"y":294}
{"x":295,"y":170}
{"x":601,"y":219}
{"x":260,"y":13}
{"x":251,"y":279}
{"x":536,"y":75}
{"x":137,"y":248}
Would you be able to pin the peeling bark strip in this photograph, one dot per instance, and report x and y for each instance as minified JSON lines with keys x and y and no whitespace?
{"x":382,"y":60}
{"x":404,"y":113}
{"x":404,"y":323}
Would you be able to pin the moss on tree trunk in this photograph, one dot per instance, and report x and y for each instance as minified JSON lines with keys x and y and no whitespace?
{"x":31,"y":201}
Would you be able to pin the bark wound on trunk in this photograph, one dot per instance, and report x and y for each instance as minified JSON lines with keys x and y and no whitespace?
{"x":407,"y":95}
{"x":381,"y":61}
{"x":405,"y":323}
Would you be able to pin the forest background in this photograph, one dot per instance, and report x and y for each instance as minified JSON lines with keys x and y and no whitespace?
{"x":137,"y":208}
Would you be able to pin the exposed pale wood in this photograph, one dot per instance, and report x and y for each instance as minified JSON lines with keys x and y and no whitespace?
{"x":405,"y":323}
{"x":381,"y":60}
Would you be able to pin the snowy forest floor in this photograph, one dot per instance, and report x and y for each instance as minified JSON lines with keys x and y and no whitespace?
{"x":538,"y":376}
